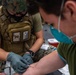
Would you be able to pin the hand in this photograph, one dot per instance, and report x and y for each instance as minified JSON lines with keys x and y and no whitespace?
{"x":17,"y":62}
{"x":28,"y":58}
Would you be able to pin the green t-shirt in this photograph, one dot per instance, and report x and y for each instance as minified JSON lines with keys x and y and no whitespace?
{"x":37,"y":24}
{"x":68,"y":52}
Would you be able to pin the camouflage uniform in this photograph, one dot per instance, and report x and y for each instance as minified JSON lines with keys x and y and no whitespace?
{"x":41,"y":52}
{"x":6,"y":24}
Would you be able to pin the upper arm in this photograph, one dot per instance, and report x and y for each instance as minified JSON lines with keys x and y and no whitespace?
{"x":37,"y":22}
{"x":39,"y":34}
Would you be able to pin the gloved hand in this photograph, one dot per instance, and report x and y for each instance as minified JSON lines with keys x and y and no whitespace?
{"x":28,"y":58}
{"x":17,"y":62}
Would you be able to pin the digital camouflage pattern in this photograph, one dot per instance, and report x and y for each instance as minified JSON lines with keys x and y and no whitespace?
{"x":41,"y":53}
{"x":16,"y":5}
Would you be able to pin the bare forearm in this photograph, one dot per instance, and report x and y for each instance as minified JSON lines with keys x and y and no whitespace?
{"x":37,"y":44}
{"x":3,"y":54}
{"x":47,"y":64}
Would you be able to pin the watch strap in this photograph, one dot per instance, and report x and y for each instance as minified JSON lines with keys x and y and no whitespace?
{"x":31,"y":52}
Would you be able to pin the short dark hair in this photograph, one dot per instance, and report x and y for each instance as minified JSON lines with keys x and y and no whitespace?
{"x":32,"y":7}
{"x":51,"y":6}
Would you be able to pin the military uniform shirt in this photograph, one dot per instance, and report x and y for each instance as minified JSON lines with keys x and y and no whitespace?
{"x":68,"y":52}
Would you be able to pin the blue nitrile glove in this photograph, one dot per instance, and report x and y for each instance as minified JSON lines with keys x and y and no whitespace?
{"x":17,"y":62}
{"x":28,"y":58}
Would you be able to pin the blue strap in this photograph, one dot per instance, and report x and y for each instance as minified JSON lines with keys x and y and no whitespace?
{"x":65,"y":62}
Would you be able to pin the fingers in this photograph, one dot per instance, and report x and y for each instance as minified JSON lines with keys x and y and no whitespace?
{"x":24,"y":63}
{"x":21,"y":66}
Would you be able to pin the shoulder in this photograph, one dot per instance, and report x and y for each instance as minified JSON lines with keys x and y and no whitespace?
{"x":36,"y":18}
{"x":37,"y":15}
{"x":3,"y":17}
{"x":62,"y":44}
{"x":66,"y":46}
{"x":37,"y":22}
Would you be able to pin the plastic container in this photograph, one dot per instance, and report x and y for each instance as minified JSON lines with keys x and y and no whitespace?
{"x":53,"y":42}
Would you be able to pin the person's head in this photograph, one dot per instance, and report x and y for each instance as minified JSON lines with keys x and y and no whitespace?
{"x":56,"y":7}
{"x":15,"y":8}
{"x":32,"y":7}
{"x":60,"y":13}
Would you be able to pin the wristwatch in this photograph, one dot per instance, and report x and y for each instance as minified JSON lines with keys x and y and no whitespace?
{"x":31,"y":52}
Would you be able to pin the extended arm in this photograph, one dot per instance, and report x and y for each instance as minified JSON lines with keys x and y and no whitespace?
{"x":16,"y":61}
{"x":27,"y":56}
{"x":38,"y":42}
{"x":38,"y":31}
{"x":47,"y":64}
{"x":3,"y":54}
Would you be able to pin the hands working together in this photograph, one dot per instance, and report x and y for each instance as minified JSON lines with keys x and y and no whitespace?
{"x":18,"y":63}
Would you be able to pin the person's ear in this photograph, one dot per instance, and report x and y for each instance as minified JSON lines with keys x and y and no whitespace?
{"x":71,"y":7}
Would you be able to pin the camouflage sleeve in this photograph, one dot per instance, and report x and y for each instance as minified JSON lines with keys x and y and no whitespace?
{"x":37,"y":22}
